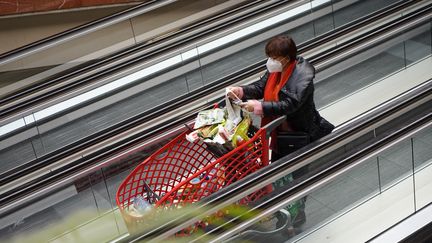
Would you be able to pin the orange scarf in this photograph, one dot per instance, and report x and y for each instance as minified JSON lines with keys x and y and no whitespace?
{"x":274,"y":84}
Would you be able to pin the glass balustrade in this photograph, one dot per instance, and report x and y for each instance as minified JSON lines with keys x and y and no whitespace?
{"x":87,"y":206}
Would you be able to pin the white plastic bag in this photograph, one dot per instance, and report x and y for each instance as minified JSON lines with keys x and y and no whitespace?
{"x":234,"y":113}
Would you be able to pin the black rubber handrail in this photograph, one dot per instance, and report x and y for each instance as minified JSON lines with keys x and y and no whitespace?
{"x":424,"y":234}
{"x":68,"y":150}
{"x":91,"y":65}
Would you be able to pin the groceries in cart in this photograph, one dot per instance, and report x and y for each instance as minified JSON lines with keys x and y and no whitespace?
{"x":222,"y":129}
{"x":209,"y":117}
{"x":225,"y":148}
{"x":139,"y":207}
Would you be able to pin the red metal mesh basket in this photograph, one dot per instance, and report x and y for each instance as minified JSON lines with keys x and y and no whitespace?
{"x":182,"y":172}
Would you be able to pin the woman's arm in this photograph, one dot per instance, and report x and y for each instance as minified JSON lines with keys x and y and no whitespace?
{"x":255,"y":90}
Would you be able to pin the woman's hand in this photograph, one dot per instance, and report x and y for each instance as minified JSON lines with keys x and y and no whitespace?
{"x":253,"y":106}
{"x":235,"y":93}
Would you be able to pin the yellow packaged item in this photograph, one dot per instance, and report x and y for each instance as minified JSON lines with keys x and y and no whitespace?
{"x":208,"y":131}
{"x":242,"y":130}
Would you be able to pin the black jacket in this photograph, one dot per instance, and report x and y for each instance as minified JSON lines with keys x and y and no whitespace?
{"x":295,"y":100}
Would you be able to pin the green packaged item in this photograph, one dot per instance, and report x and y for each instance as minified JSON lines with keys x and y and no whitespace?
{"x":209,"y":117}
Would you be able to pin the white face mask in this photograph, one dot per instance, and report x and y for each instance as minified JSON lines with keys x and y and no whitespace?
{"x":273,"y":65}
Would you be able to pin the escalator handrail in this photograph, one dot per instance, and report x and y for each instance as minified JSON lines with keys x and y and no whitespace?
{"x":81,"y":30}
{"x":52,"y":176}
{"x":303,"y":157}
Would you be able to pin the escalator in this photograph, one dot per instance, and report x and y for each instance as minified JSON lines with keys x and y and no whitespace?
{"x":99,"y":186}
{"x":48,"y":129}
{"x":45,"y":137}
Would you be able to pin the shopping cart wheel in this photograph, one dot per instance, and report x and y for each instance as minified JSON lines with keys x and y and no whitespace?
{"x":284,"y":223}
{"x":300,"y":219}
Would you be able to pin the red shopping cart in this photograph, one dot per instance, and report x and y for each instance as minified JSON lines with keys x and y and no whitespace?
{"x":182,"y":172}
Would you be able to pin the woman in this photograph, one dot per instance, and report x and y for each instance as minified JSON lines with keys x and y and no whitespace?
{"x":286,"y":89}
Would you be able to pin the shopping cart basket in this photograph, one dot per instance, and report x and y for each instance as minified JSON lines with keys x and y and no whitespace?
{"x":182,"y":172}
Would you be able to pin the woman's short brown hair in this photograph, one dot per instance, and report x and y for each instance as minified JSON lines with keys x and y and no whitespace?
{"x":281,"y":46}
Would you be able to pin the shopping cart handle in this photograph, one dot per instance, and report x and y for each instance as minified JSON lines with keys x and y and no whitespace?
{"x":220,"y":103}
{"x":273,"y":124}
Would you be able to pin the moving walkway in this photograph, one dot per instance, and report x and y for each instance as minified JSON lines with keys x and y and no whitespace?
{"x":417,"y":36}
{"x":44,"y":133}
